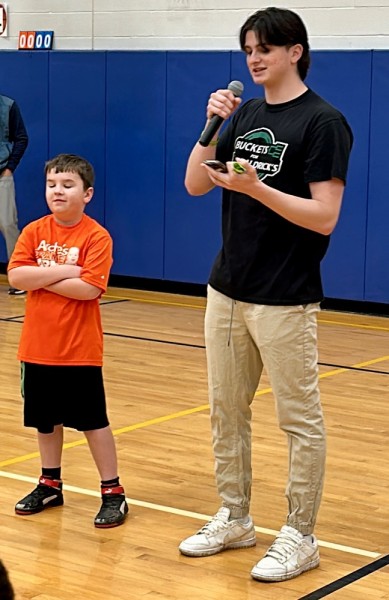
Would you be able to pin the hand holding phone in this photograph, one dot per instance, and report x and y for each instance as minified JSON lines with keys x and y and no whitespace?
{"x":216,"y":165}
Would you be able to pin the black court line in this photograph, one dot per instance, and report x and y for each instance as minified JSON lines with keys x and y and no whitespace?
{"x":155,"y":340}
{"x":11,"y":318}
{"x":199,"y":346}
{"x":338,"y":584}
{"x":351,"y":368}
{"x":104,"y":303}
{"x":22,"y":316}
{"x":202,"y":347}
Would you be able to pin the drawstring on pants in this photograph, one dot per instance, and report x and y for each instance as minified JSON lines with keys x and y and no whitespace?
{"x":230,"y":329}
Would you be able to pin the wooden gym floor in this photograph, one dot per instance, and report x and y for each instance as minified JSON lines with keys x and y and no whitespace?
{"x":155,"y":377}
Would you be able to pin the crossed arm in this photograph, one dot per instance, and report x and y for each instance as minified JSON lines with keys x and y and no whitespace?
{"x":64,"y":280}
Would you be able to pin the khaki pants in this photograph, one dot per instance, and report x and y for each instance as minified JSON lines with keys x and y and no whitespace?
{"x":241,"y":339}
{"x":8,"y":213}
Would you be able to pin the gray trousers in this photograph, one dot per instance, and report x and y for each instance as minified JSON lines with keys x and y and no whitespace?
{"x":241,"y":339}
{"x":8,"y":212}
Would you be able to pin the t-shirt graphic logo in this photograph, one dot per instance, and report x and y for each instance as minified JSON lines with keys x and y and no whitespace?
{"x":262,"y":151}
{"x":50,"y":254}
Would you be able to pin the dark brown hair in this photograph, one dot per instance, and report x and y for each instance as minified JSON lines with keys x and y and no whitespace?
{"x":278,"y":27}
{"x":71,"y":163}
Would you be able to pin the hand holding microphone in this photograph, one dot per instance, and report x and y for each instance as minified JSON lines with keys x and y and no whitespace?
{"x":236,"y":87}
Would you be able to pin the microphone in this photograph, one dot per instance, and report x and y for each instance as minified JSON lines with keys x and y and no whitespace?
{"x":236,"y":88}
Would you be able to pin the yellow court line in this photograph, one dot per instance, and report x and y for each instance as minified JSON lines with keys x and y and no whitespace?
{"x":182,"y":413}
{"x":355,"y":325}
{"x":333,"y":372}
{"x":199,"y":307}
{"x":146,"y":301}
{"x":111,"y":296}
{"x":374,"y":361}
{"x":322,"y":376}
{"x":186,"y":513}
{"x":366,"y":363}
{"x":83,"y":441}
{"x":185,"y":305}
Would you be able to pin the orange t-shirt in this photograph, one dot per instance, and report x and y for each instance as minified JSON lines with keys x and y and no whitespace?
{"x":59,"y":330}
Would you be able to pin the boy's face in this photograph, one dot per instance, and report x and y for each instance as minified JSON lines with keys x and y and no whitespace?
{"x":66,"y":197}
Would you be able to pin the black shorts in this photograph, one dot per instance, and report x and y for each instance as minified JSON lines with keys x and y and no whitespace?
{"x":72,"y":396}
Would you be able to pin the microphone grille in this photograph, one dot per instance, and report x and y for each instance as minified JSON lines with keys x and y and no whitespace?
{"x":236,"y":88}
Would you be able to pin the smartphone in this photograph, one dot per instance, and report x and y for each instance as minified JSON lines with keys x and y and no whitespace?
{"x":216,"y":165}
{"x":221,"y":167}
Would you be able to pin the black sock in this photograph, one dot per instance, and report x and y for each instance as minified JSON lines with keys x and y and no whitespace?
{"x":110,"y":482}
{"x":52,"y":473}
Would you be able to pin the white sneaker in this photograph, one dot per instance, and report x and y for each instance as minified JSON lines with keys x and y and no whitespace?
{"x":290,"y":554}
{"x":220,"y":534}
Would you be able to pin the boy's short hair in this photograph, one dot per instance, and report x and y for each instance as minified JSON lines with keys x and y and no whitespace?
{"x":278,"y":27}
{"x":6,"y":589}
{"x":65,"y":163}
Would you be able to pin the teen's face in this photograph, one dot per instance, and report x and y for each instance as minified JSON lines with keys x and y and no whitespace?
{"x":66,"y":197}
{"x":271,"y":65}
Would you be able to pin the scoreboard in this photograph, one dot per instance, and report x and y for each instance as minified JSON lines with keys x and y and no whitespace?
{"x":36,"y":40}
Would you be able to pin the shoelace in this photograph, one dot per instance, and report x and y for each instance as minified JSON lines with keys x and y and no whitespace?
{"x":216,"y":524}
{"x":284,"y":545}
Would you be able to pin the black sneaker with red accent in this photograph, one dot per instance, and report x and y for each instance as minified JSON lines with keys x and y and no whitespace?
{"x":47,"y":493}
{"x":113,"y":509}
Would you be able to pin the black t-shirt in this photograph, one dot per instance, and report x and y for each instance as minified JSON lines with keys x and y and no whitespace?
{"x":266,"y":259}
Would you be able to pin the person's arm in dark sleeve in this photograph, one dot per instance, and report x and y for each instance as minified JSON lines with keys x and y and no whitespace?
{"x":18,"y":136}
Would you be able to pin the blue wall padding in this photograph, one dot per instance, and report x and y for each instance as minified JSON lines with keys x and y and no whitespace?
{"x":136,"y":115}
{"x":135,"y":161}
{"x":345,"y":83}
{"x":377,"y":250}
{"x":192,"y":223}
{"x":77,"y":113}
{"x":25,"y":77}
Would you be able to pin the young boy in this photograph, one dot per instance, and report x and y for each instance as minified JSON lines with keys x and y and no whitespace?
{"x":265,"y":286}
{"x":61,"y":345}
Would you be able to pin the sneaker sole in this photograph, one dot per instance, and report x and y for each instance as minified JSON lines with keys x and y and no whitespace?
{"x":108,"y":525}
{"x":311,"y":565}
{"x":232,"y":546}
